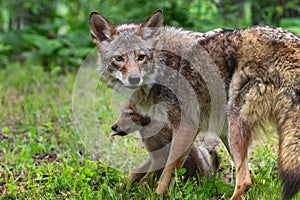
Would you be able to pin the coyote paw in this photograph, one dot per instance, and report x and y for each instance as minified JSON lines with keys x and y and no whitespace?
{"x":241,"y":190}
{"x":162,"y":188}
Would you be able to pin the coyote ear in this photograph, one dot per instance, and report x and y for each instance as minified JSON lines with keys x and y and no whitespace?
{"x":100,"y":28}
{"x":150,"y":26}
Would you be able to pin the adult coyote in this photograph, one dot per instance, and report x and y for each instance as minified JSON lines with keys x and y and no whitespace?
{"x":259,"y":69}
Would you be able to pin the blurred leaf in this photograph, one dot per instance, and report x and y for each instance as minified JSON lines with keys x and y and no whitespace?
{"x":279,"y":10}
{"x":4,"y":48}
{"x":45,"y":45}
{"x":292,"y":24}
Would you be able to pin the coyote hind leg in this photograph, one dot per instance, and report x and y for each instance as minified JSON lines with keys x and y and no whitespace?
{"x":239,"y":140}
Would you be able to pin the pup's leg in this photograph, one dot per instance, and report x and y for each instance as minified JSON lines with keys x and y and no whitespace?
{"x":198,"y":162}
{"x":159,"y":157}
{"x":158,"y":163}
{"x":139,"y":172}
{"x":239,"y":140}
{"x":208,"y":161}
{"x":182,"y":140}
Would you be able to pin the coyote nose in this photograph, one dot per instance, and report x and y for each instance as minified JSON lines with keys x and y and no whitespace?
{"x":114,"y":127}
{"x":134,"y":79}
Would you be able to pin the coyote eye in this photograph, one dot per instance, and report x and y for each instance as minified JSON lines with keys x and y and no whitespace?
{"x":128,"y":114}
{"x":118,"y":58}
{"x":141,"y":57}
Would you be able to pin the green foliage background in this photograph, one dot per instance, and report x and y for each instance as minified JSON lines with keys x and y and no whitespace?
{"x":55,"y":33}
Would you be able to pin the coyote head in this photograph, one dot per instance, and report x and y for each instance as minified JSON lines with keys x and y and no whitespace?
{"x":126,"y":52}
{"x":129,"y":121}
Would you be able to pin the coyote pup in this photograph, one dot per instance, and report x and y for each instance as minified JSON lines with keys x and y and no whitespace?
{"x":157,"y":138}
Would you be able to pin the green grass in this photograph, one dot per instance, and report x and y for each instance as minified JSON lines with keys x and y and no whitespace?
{"x":43,"y":157}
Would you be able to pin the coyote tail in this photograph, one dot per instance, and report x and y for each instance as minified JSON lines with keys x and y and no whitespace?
{"x":288,"y":112}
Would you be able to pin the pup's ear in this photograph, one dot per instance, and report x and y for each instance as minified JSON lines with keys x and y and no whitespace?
{"x":150,"y":26}
{"x":100,"y":28}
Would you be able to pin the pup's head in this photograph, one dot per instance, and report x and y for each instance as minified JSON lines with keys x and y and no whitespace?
{"x":129,"y":121}
{"x":126,"y":51}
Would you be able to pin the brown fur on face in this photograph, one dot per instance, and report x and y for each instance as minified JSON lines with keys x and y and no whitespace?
{"x":129,"y":121}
